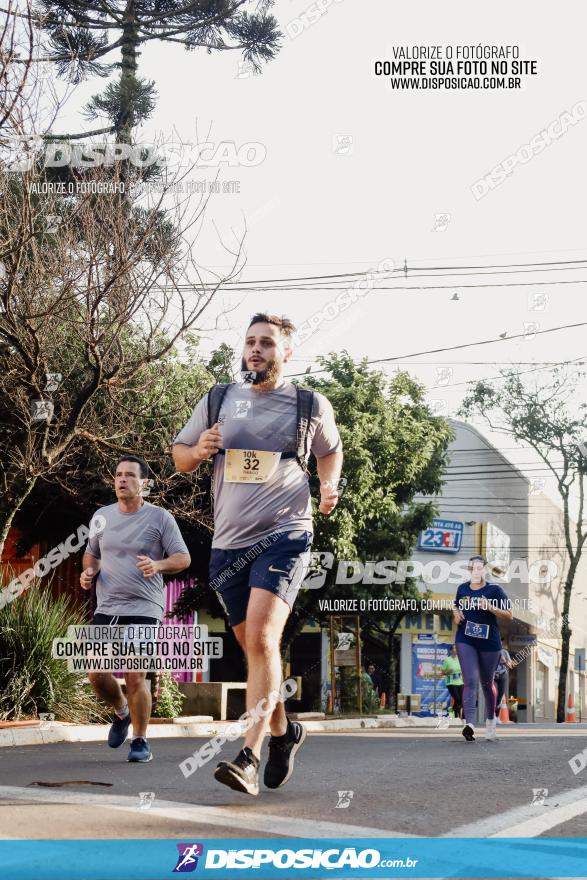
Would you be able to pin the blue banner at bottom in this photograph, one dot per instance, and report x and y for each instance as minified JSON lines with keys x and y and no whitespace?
{"x":304,"y":858}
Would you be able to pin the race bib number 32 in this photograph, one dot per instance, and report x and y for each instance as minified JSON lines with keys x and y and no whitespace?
{"x":477,"y":630}
{"x":249,"y":465}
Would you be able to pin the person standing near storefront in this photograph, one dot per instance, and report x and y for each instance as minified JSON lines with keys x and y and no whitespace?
{"x":501,"y":679}
{"x":451,"y":669}
{"x":377,"y":678}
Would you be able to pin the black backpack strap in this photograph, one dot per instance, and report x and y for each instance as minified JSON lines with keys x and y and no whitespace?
{"x":305,"y":405}
{"x":216,"y":395}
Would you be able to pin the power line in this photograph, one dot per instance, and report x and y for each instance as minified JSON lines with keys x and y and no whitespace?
{"x":514,"y":465}
{"x":452,"y":363}
{"x":458,"y":347}
{"x":487,"y":507}
{"x":484,"y":468}
{"x":463,"y":498}
{"x":501,"y":378}
{"x":493,"y":498}
{"x":496,"y":469}
{"x":489,"y":449}
{"x":520,"y":503}
{"x":478,"y":506}
{"x":483,"y":473}
{"x":374,"y":260}
{"x":312,"y":288}
{"x":466,"y":479}
{"x":547,"y":266}
{"x":494,"y":501}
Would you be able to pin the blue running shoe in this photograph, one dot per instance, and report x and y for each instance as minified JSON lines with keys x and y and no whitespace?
{"x":119,"y":731}
{"x":140,"y":750}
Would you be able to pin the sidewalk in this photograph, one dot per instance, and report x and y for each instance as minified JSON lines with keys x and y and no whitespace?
{"x":204,"y":726}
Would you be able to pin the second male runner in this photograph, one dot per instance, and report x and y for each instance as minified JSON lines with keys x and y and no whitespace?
{"x":139,"y":544}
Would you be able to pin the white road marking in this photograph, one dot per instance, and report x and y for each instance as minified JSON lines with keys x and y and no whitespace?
{"x":206,"y":815}
{"x":528,"y":821}
{"x":523,"y":821}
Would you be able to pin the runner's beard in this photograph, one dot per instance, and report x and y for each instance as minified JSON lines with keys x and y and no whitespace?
{"x":262,"y":376}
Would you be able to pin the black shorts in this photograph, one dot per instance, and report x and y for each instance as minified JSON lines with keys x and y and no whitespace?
{"x":280,"y":569}
{"x":121,"y":619}
{"x":135,"y":621}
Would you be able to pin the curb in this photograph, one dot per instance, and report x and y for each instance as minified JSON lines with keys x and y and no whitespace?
{"x":61,"y":731}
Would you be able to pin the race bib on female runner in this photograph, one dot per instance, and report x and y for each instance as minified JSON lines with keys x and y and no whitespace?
{"x":477,"y":630}
{"x":249,"y":465}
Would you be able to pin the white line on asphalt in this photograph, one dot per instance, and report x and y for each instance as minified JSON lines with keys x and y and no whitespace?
{"x":528,"y":821}
{"x":237,"y":818}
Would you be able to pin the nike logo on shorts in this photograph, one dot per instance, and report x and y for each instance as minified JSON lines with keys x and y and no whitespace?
{"x":278,"y":569}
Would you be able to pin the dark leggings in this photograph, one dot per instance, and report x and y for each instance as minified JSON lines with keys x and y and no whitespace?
{"x":477,"y":666}
{"x":500,"y":685}
{"x":456,"y":692}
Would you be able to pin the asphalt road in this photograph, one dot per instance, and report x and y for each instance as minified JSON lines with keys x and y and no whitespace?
{"x":403,"y":783}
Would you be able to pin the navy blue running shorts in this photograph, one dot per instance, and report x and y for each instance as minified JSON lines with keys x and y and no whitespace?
{"x":122,"y":619}
{"x":278,"y":563}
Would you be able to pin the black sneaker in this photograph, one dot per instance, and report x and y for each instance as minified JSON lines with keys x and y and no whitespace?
{"x":468,"y":732}
{"x":242,"y":774}
{"x":282,"y":751}
{"x":119,"y":731}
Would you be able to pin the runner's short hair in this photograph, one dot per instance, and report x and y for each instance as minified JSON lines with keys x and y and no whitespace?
{"x":480,"y":558}
{"x":285,"y":325}
{"x":143,"y":466}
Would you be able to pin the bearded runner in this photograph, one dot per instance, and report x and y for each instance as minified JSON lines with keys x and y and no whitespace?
{"x":260,"y":434}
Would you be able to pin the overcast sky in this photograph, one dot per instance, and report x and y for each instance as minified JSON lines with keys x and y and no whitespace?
{"x":355,"y":173}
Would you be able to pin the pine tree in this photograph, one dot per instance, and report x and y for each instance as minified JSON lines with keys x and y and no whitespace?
{"x":84,"y":37}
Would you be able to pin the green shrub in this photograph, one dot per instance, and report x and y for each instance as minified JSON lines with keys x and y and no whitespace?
{"x":169,"y":699}
{"x":31,"y":680}
{"x":347,"y":692}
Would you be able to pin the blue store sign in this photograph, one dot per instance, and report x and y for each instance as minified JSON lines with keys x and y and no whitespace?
{"x":443,"y":536}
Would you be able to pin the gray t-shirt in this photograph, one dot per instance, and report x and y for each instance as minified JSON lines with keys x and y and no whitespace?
{"x":121,"y":587}
{"x":262,"y":420}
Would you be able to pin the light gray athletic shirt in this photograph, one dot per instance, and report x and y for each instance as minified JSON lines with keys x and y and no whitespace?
{"x":121,"y":587}
{"x":263,"y":420}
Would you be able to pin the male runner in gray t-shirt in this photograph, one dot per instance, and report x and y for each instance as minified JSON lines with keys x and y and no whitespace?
{"x":127,"y":560}
{"x":262,"y":526}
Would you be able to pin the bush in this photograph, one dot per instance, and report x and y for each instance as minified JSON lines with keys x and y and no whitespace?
{"x":31,"y":680}
{"x":347,"y":692}
{"x":169,"y":699}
